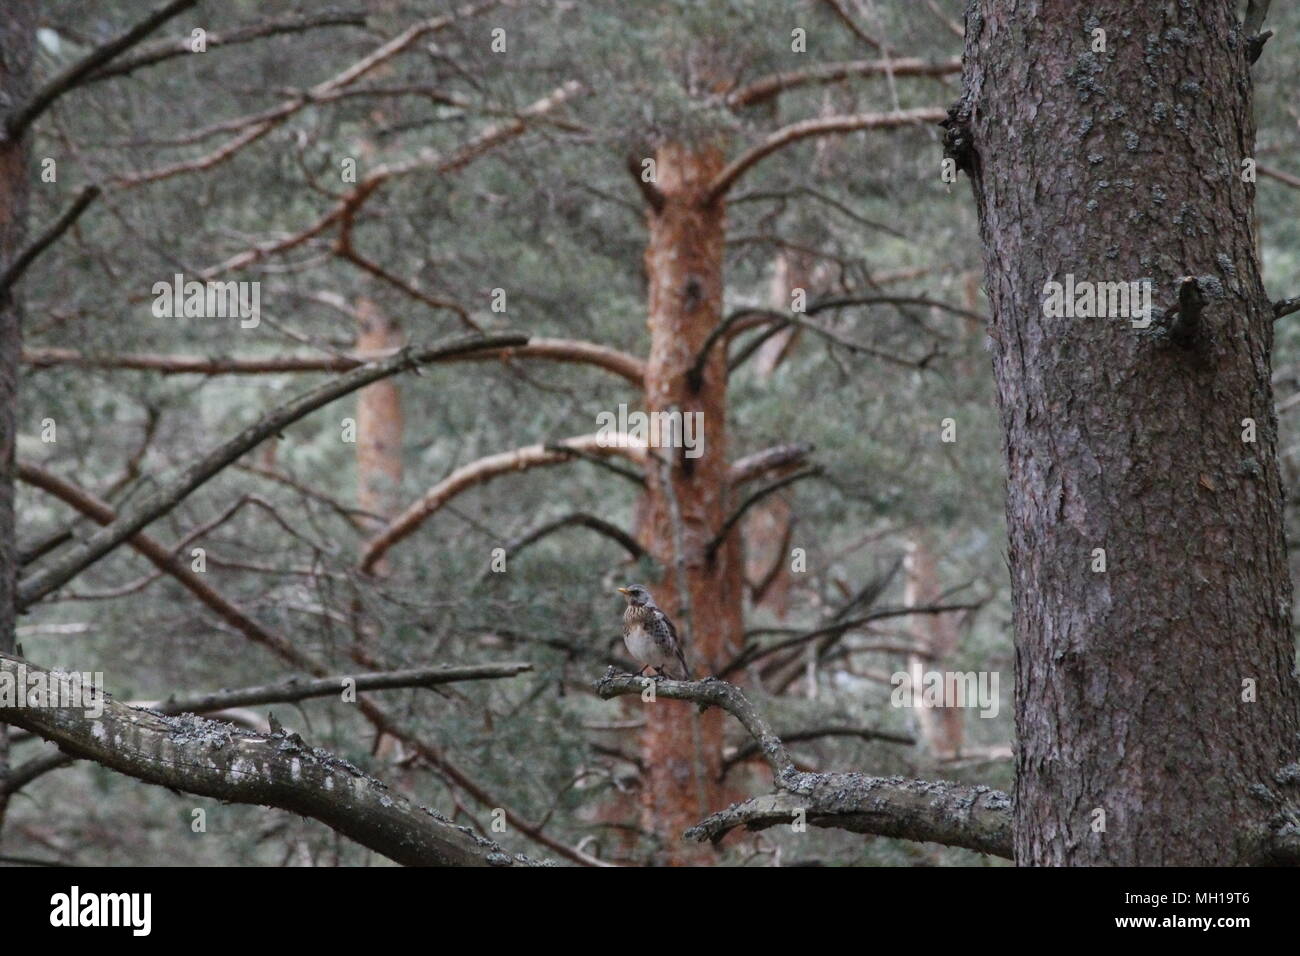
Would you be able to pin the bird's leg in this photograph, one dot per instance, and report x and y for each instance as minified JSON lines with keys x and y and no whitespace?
{"x":642,"y":670}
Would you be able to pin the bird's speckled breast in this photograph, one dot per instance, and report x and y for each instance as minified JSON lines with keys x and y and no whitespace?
{"x":640,"y":643}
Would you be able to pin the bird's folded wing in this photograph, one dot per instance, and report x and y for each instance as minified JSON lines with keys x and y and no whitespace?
{"x":663,"y":631}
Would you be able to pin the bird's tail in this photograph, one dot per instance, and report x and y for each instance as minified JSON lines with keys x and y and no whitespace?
{"x":681,"y":660}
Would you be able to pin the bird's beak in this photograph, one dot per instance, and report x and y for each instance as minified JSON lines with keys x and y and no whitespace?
{"x":623,"y":591}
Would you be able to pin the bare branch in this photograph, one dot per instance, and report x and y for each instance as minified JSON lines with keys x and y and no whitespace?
{"x":294,"y":690}
{"x":709,"y":692}
{"x":484,"y":470}
{"x":750,"y":317}
{"x":220,"y":705}
{"x":427,"y":159}
{"x":1285,"y":307}
{"x":821,"y":126}
{"x":952,"y":26}
{"x":754,"y":652}
{"x":975,"y":817}
{"x":218,"y":760}
{"x":1290,"y":180}
{"x":24,"y":116}
{"x":817,"y":733}
{"x":347,"y":251}
{"x":572,"y":351}
{"x":291,"y":653}
{"x":765,"y":88}
{"x":766,"y":461}
{"x":581,"y":519}
{"x":163,"y":50}
{"x":651,"y":193}
{"x":162,"y":558}
{"x":60,"y":571}
{"x":843,"y":15}
{"x":269,"y":120}
{"x":752,"y":500}
{"x":927,"y":811}
{"x":46,"y":239}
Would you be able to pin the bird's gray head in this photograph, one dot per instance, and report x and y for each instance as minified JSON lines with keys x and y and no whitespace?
{"x":637,"y":595}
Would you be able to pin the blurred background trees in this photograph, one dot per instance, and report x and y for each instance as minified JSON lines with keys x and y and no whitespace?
{"x":500,"y":168}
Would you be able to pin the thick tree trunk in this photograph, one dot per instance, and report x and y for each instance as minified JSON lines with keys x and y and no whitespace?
{"x":682,"y":750}
{"x":1118,"y":166}
{"x":17,"y":23}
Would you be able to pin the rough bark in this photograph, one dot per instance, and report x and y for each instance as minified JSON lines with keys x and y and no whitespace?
{"x":1119,"y":166}
{"x":217,"y":760}
{"x":681,"y":751}
{"x":17,"y":26}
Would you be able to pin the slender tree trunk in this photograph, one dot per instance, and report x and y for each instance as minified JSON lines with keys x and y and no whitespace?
{"x":380,"y":429}
{"x":379,"y":420}
{"x":17,"y":23}
{"x":682,"y":749}
{"x":768,"y":525}
{"x":1159,"y":692}
{"x":941,"y":726}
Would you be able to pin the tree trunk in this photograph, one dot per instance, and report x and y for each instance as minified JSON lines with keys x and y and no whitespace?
{"x":941,"y":726}
{"x":17,"y":25}
{"x":1133,"y":684}
{"x":769,"y":525}
{"x":682,"y":750}
{"x":379,"y":421}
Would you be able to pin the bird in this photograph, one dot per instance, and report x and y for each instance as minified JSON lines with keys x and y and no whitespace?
{"x":650,"y":636}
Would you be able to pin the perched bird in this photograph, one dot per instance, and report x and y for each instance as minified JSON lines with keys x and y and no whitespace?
{"x":650,"y":636}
